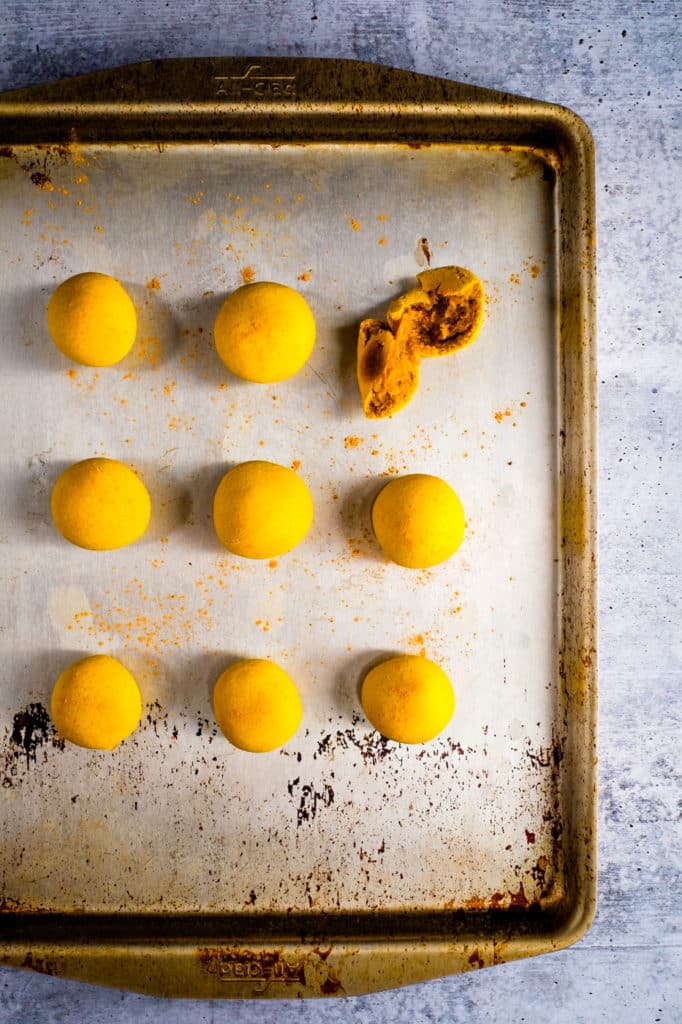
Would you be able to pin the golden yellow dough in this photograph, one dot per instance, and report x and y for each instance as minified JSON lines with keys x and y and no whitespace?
{"x":96,"y":703}
{"x":388,"y":370}
{"x":100,"y":504}
{"x":418,"y":520}
{"x":256,"y":705}
{"x":408,"y":698}
{"x":92,"y":320}
{"x":264,"y":332}
{"x":261,"y":510}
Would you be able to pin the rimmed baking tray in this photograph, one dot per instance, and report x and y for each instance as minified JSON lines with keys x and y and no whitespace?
{"x":343,"y":863}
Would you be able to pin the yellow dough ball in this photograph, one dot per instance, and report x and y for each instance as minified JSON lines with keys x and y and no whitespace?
{"x":408,"y":699}
{"x":100,"y":504}
{"x":96,"y":703}
{"x":418,"y":520}
{"x":264,"y":332}
{"x":257,"y":705}
{"x":92,"y":320}
{"x":261,"y":510}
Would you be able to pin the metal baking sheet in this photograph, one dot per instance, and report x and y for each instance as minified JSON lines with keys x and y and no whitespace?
{"x":343,"y":862}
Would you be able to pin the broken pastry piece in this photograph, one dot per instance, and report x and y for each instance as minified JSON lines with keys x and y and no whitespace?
{"x":388,"y":369}
{"x":444,"y":314}
{"x":440,"y":316}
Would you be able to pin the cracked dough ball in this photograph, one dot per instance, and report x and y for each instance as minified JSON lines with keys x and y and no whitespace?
{"x":418,"y":520}
{"x":96,"y":703}
{"x":100,"y":504}
{"x":262,"y":510}
{"x":92,"y":320}
{"x":440,"y":316}
{"x":388,"y":369}
{"x":256,"y":705}
{"x":444,"y":314}
{"x":408,"y":698}
{"x":264,"y":332}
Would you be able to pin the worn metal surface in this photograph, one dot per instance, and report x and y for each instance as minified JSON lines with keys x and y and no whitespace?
{"x":485,"y":837}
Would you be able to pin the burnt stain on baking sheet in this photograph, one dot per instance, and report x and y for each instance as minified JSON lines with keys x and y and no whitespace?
{"x":476,"y":960}
{"x":32,"y":732}
{"x":40,"y":964}
{"x":547,"y":757}
{"x":156,"y":717}
{"x":310,"y":799}
{"x":373,"y":747}
{"x":41,"y":180}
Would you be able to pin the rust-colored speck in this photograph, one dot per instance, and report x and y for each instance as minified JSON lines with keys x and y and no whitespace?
{"x":305,"y":276}
{"x":425,"y":250}
{"x":352,"y":442}
{"x":42,"y":181}
{"x":39,"y":964}
{"x":514,"y":279}
{"x":530,"y":837}
{"x":273,"y":563}
{"x":518,"y":899}
{"x":476,"y":960}
{"x":153,"y":285}
{"x":296,"y":464}
{"x":247,"y":274}
{"x":331,"y":985}
{"x":496,"y":899}
{"x":355,"y":224}
{"x":534,"y":270}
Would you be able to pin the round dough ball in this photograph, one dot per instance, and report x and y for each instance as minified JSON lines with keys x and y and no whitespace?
{"x":256,"y":705}
{"x":96,"y":703}
{"x":418,"y":520}
{"x":264,"y":332}
{"x":408,"y":699}
{"x":261,"y":510}
{"x":100,"y":504}
{"x":92,"y":320}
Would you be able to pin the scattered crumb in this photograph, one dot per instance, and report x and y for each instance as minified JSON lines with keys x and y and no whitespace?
{"x":154,"y":284}
{"x":248,"y":274}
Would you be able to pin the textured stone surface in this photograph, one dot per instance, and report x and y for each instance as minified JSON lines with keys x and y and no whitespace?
{"x":618,"y":65}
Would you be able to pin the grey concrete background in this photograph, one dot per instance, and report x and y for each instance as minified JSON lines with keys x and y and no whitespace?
{"x":618,"y":65}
